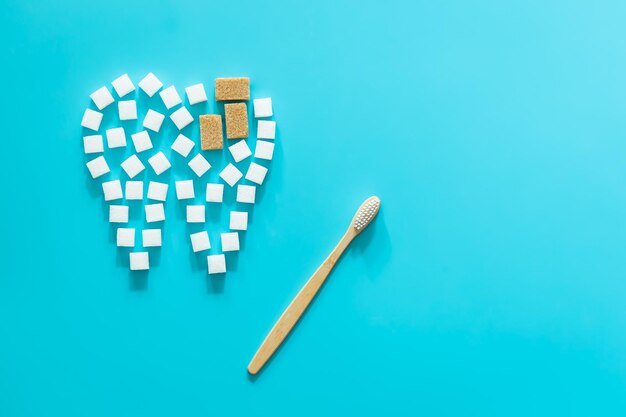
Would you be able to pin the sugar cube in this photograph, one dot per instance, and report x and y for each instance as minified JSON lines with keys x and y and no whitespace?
{"x":214,"y":193}
{"x":98,"y":167}
{"x":231,"y":174}
{"x":196,"y":93}
{"x":170,"y":97}
{"x":151,"y":238}
{"x":240,"y":151}
{"x":102,"y":97}
{"x":195,"y":214}
{"x":93,"y":144}
{"x":256,"y":173}
{"x":133,"y":166}
{"x":91,"y":120}
{"x":232,"y":89}
{"x":238,"y":220}
{"x":125,"y":237}
{"x":184,"y":190}
{"x":134,"y":190}
{"x":116,"y":138}
{"x":123,"y":85}
{"x":112,"y":190}
{"x":200,"y":241}
{"x":199,"y":165}
{"x":246,"y":193}
{"x":217,"y":264}
{"x":183,"y":145}
{"x":211,"y":135}
{"x":159,"y":163}
{"x":118,"y":214}
{"x":181,"y":117}
{"x":153,"y":120}
{"x":127,"y":109}
{"x":266,"y":129}
{"x":150,"y":84}
{"x":230,"y":241}
{"x":263,"y":107}
{"x":154,"y":213}
{"x":139,"y":261}
{"x":236,"y":120}
{"x":157,"y":191}
{"x":142,"y":141}
{"x":264,"y":150}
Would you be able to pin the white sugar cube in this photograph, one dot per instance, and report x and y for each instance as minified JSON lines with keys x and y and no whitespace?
{"x":199,"y":165}
{"x":151,"y":238}
{"x":141,"y":141}
{"x":150,"y":84}
{"x":93,"y":144}
{"x":214,"y":193}
{"x":184,"y":189}
{"x":231,"y":174}
{"x":266,"y":129}
{"x":153,"y":120}
{"x":256,"y":173}
{"x":112,"y":190}
{"x":127,"y":110}
{"x":98,"y":167}
{"x":123,"y":85}
{"x":181,"y":117}
{"x":200,"y":241}
{"x":118,"y":214}
{"x":196,"y":93}
{"x":159,"y":163}
{"x":263,"y":107}
{"x":240,"y":151}
{"x":238,"y":220}
{"x":264,"y":150}
{"x":217,"y":264}
{"x":170,"y":97}
{"x":230,"y":242}
{"x":133,"y":166}
{"x":246,"y":193}
{"x":134,"y":190}
{"x":195,"y":214}
{"x":139,"y":261}
{"x":102,"y":97}
{"x":157,"y":191}
{"x":91,"y":119}
{"x":125,"y":237}
{"x":155,"y":213}
{"x":116,"y":138}
{"x":183,"y":145}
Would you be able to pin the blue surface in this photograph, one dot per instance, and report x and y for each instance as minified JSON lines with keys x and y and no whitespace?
{"x":492,"y":283}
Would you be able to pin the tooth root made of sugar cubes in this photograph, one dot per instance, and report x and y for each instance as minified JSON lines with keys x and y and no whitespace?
{"x":159,"y":163}
{"x":118,"y":214}
{"x":196,"y":94}
{"x":236,"y":120}
{"x":170,"y":97}
{"x":183,"y":145}
{"x":134,"y":190}
{"x":214,"y":193}
{"x":184,"y":190}
{"x":263,"y":107}
{"x":91,"y":119}
{"x":132,"y":166}
{"x":157,"y":191}
{"x":216,"y":263}
{"x":141,"y":141}
{"x":98,"y":167}
{"x":199,"y":165}
{"x":196,"y":214}
{"x":181,"y":118}
{"x":238,"y":220}
{"x":231,"y":174}
{"x":127,"y":109}
{"x":139,"y":261}
{"x":151,"y":238}
{"x":231,"y":89}
{"x":116,"y":137}
{"x":112,"y":190}
{"x":211,"y":135}
{"x":256,"y":173}
{"x":93,"y":144}
{"x":154,"y":213}
{"x":125,"y":237}
{"x":230,"y":241}
{"x":240,"y":151}
{"x":123,"y":85}
{"x":200,"y":241}
{"x":246,"y":194}
{"x":150,"y":84}
{"x":264,"y":150}
{"x":266,"y":129}
{"x":153,"y":120}
{"x":102,"y":97}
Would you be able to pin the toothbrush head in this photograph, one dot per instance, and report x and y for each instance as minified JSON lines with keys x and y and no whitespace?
{"x":366,"y":213}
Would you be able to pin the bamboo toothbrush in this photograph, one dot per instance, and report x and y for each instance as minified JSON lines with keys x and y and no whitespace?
{"x":362,"y":218}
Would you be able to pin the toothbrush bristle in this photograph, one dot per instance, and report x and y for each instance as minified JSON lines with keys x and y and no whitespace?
{"x":366,"y":213}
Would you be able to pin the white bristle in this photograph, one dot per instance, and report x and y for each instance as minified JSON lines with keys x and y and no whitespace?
{"x":366,"y":213}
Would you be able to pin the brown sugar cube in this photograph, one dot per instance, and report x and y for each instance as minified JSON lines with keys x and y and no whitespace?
{"x":236,"y":120}
{"x":232,"y":89}
{"x":211,"y":136}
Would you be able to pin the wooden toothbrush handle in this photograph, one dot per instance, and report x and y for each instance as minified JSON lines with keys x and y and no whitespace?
{"x":297,"y":306}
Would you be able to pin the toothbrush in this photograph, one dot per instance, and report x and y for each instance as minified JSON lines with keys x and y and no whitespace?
{"x":363,"y":217}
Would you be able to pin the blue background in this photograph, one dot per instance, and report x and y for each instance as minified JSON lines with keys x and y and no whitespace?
{"x":492,"y":283}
